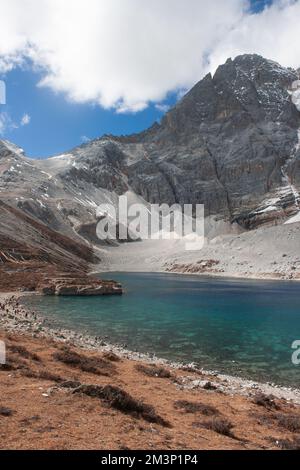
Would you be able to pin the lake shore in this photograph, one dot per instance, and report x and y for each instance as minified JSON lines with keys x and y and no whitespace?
{"x":19,"y":319}
{"x":55,"y":377}
{"x":187,"y":270}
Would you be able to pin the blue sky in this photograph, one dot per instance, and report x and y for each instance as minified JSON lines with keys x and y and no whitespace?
{"x":43,"y":121}
{"x":258,"y":5}
{"x":57,"y":124}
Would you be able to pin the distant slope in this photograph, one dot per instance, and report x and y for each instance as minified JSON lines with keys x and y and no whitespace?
{"x":30,"y":252}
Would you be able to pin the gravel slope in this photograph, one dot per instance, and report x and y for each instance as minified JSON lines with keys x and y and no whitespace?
{"x":266,"y":253}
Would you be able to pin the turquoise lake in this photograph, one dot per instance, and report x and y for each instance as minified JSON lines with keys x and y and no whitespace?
{"x":243,"y":328}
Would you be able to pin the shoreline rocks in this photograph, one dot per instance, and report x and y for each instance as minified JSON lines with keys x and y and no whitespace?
{"x":77,"y":287}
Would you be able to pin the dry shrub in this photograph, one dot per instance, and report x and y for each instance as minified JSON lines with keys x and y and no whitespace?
{"x":16,"y":363}
{"x":23,"y":352}
{"x":287,"y":421}
{"x":29,"y":421}
{"x":120,"y":400}
{"x":92,"y":365}
{"x":110,"y":356}
{"x":291,"y":423}
{"x":191,"y":369}
{"x":263,"y":419}
{"x":209,"y":386}
{"x":42,"y":375}
{"x":266,"y":401}
{"x":71,"y":384}
{"x":9,"y":366}
{"x":287,"y":444}
{"x":219,"y":425}
{"x":6,"y":412}
{"x":46,"y":375}
{"x":154,"y":371}
{"x":192,"y":407}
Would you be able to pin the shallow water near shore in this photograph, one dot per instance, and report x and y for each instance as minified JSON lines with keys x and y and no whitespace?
{"x":238,"y":327}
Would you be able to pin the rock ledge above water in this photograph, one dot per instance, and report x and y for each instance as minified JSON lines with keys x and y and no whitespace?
{"x":74,"y":287}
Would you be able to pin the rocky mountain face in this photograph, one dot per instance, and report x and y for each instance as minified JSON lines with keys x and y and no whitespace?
{"x":232,"y":144}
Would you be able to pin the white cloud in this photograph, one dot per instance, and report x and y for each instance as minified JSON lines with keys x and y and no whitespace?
{"x":3,"y":123}
{"x":163,"y":108}
{"x":6,"y":123}
{"x":123,"y":54}
{"x":25,"y":120}
{"x":274,"y":33}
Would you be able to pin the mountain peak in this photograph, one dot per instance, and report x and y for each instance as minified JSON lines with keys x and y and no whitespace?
{"x":257,"y":69}
{"x":247,"y":89}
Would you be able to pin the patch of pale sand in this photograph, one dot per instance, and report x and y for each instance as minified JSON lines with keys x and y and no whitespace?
{"x":294,"y":219}
{"x":272,"y":252}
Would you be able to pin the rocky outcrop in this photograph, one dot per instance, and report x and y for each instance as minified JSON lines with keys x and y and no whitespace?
{"x":82,"y":288}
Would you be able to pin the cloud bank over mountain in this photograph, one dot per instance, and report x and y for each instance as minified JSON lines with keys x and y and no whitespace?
{"x":124,"y":54}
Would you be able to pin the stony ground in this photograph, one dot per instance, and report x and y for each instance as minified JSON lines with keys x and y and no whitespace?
{"x":266,"y":253}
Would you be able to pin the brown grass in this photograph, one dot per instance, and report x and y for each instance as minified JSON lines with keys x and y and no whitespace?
{"x":192,"y":407}
{"x":120,"y":400}
{"x":126,"y":417}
